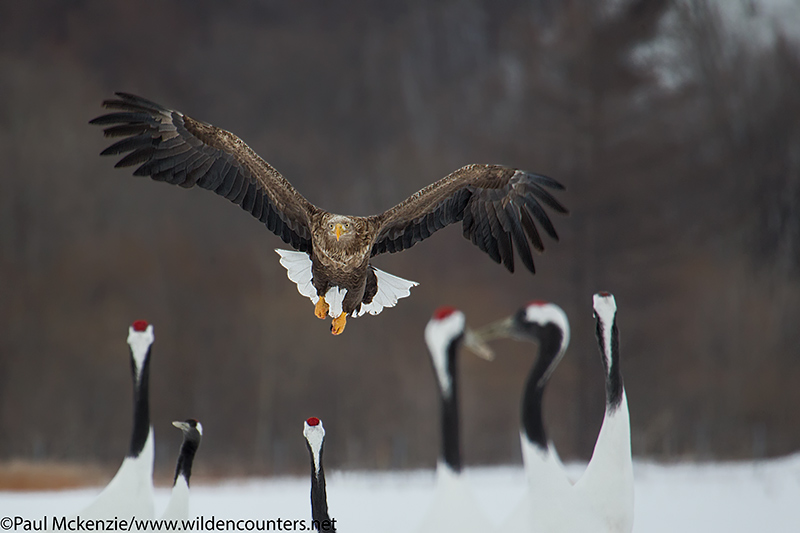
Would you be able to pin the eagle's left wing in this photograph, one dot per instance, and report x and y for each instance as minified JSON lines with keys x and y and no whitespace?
{"x":498,"y":206}
{"x":172,"y":147}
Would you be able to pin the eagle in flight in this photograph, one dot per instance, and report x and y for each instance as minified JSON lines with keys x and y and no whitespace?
{"x":497,"y":206}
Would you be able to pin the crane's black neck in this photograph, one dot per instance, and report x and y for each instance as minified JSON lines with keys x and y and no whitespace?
{"x":451,"y":441}
{"x":614,"y":384}
{"x":319,"y":499}
{"x":185,"y":459}
{"x":141,"y":405}
{"x":551,"y":340}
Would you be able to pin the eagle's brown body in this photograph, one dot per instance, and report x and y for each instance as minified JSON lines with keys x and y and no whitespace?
{"x":498,"y":206}
{"x":343,"y":264}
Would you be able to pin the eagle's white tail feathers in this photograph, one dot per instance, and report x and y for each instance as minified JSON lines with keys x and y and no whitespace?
{"x":298,"y":268}
{"x":390,"y":288}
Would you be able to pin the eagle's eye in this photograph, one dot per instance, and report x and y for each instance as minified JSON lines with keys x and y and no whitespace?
{"x":346,"y":225}
{"x":330,"y":226}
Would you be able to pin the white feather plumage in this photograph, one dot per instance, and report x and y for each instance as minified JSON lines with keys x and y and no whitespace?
{"x":390,"y":287}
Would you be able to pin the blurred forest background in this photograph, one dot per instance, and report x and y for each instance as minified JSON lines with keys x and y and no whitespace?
{"x":675,"y":126}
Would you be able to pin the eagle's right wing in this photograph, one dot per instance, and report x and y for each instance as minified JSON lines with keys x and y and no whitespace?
{"x":172,"y":147}
{"x":498,"y":207}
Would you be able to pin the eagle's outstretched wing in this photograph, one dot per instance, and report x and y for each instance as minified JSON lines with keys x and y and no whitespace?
{"x":170,"y":146}
{"x":498,"y":206}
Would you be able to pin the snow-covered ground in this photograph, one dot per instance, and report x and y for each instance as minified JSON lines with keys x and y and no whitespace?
{"x":717,"y":497}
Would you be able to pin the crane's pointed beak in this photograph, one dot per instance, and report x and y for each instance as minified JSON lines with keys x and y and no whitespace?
{"x":476,"y":345}
{"x":183,"y":426}
{"x":500,"y":329}
{"x":339,"y":230}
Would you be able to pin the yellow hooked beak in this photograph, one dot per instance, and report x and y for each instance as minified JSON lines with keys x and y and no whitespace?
{"x":338,"y":230}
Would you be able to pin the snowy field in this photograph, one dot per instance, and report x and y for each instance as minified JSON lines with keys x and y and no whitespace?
{"x":719,"y":497}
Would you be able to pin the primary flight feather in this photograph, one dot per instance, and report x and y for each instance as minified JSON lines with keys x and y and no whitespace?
{"x":499,"y":207}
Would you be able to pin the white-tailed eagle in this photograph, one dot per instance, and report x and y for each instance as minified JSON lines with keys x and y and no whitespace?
{"x":498,"y":207}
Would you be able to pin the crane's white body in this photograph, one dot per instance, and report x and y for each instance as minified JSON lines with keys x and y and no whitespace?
{"x":453,"y":506}
{"x":130,"y":491}
{"x":178,"y":505}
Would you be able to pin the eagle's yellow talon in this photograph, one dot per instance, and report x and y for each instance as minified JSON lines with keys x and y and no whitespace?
{"x":321,"y":309}
{"x":338,"y":324}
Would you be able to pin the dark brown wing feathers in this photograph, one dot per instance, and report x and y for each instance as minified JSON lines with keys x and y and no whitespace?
{"x":171,"y":147}
{"x":498,"y":208}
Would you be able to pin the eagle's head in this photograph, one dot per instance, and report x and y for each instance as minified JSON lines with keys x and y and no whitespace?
{"x":340,"y":230}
